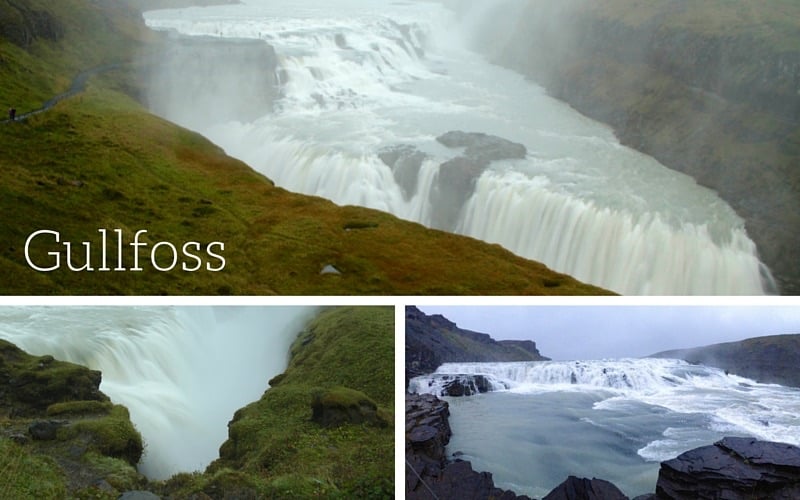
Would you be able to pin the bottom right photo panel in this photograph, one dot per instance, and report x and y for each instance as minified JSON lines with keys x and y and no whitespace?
{"x":611,"y":402}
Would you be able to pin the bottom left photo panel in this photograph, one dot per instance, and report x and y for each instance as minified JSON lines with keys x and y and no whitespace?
{"x":197,"y":402}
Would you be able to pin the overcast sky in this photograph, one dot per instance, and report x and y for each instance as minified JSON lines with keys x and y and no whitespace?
{"x":598,"y":332}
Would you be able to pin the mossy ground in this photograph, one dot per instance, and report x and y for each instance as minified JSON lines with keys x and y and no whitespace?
{"x":93,"y":441}
{"x":101,"y":161}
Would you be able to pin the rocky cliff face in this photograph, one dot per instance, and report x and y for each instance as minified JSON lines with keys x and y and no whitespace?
{"x":199,"y":82}
{"x":733,"y":468}
{"x":429,"y":473}
{"x":21,"y":24}
{"x":713,"y":92}
{"x":61,"y":437}
{"x":433,"y":340}
{"x":773,"y":359}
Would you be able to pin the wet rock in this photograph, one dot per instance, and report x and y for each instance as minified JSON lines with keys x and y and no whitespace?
{"x":45,"y":430}
{"x":733,"y":468}
{"x":457,"y":176}
{"x":428,"y":473}
{"x":483,"y":147}
{"x":405,"y":161}
{"x":575,"y":488}
{"x":463,"y":385}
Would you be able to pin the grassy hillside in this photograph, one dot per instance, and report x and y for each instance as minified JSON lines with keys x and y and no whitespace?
{"x":100,"y":161}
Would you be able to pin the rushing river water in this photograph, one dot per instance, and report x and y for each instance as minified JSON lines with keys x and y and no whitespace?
{"x":612,"y":419}
{"x":358,"y":76}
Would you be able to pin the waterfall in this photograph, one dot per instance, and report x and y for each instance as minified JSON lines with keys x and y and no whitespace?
{"x":182,"y":372}
{"x":357,"y":77}
{"x":730,"y":402}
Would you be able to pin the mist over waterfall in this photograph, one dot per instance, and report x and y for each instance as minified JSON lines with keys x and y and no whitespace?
{"x":354,"y":82}
{"x":182,"y":372}
{"x":616,"y":419}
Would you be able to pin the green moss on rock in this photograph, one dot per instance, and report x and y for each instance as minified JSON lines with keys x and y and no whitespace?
{"x":340,"y":405}
{"x":76,"y":408}
{"x":33,"y":383}
{"x":90,"y":441}
{"x":112,"y":435}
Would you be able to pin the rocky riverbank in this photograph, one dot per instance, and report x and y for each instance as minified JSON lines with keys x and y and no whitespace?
{"x":733,"y":468}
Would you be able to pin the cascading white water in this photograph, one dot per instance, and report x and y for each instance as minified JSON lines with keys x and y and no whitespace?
{"x":357,"y":76}
{"x":182,"y":372}
{"x":736,"y":404}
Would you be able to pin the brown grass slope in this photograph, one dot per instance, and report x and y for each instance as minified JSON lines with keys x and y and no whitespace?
{"x":101,"y":161}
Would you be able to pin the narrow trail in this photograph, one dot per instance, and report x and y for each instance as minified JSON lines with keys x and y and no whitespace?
{"x":77,"y":86}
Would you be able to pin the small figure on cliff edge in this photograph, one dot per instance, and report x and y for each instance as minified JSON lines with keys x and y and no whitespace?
{"x":12,"y":114}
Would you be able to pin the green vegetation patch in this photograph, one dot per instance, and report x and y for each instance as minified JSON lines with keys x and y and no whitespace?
{"x":76,"y":408}
{"x":113,"y":435}
{"x":41,"y":381}
{"x":26,"y":475}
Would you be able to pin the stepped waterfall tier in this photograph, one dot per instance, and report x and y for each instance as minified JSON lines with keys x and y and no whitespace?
{"x":181,"y":372}
{"x":614,"y":419}
{"x":361,"y":94}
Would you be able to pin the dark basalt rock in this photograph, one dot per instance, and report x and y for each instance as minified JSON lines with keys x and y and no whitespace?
{"x":467,"y":385}
{"x":483,"y":147}
{"x":45,"y":430}
{"x":457,"y":176}
{"x":428,"y":473}
{"x":55,"y":408}
{"x":733,"y":468}
{"x":575,"y":488}
{"x":405,"y":161}
{"x":457,"y":385}
{"x":433,"y":340}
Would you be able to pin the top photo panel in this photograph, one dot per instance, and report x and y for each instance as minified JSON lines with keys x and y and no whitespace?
{"x":422,"y":147}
